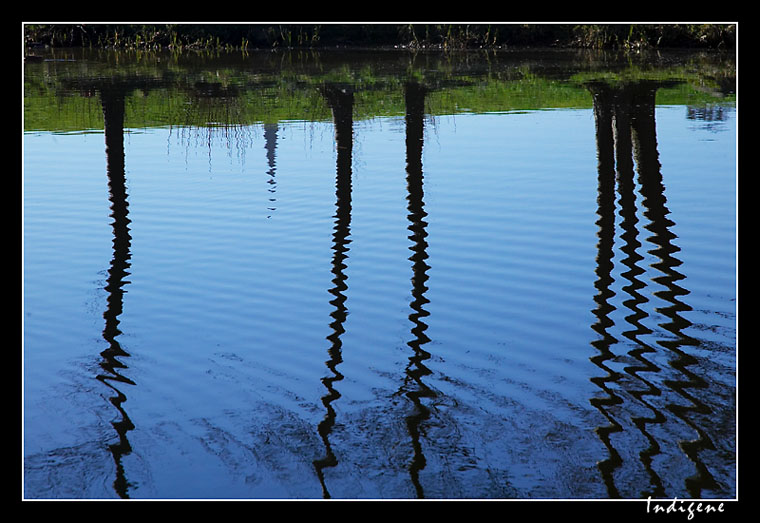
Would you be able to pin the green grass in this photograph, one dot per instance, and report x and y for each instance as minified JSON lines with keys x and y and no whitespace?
{"x":218,"y":88}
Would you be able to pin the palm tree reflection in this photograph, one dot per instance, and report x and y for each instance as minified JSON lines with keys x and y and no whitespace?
{"x":113,"y":111}
{"x":625,"y":131}
{"x":605,"y":248}
{"x":656,"y":211}
{"x":416,"y":370}
{"x":340,"y":100}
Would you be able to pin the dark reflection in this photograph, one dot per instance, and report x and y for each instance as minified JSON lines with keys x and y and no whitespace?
{"x":625,"y":131}
{"x":603,"y":113}
{"x":416,"y":389}
{"x":642,"y":102}
{"x":113,"y":112}
{"x":340,"y":99}
{"x":270,"y":143}
{"x":629,"y":248}
{"x":656,"y":211}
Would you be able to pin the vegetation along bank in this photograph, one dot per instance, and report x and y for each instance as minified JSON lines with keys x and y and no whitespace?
{"x":414,"y":36}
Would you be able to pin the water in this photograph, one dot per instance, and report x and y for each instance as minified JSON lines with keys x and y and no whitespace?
{"x":312,"y":290}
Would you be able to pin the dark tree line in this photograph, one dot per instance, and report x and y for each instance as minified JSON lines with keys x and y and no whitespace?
{"x":443,"y":36}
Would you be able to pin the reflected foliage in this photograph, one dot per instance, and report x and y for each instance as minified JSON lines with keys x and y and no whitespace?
{"x":165,"y":89}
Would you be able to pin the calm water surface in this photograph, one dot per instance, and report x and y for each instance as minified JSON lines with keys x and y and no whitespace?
{"x":384,"y":291}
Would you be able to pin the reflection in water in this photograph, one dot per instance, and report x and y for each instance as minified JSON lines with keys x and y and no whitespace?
{"x":647,"y":390}
{"x":656,"y":211}
{"x":631,"y":244}
{"x":416,"y":370}
{"x":270,"y":139}
{"x":113,"y":112}
{"x":606,"y":206}
{"x":340,"y":101}
{"x":711,"y":117}
{"x":625,"y":129}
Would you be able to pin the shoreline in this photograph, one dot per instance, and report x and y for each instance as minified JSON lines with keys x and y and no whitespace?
{"x":436,"y":37}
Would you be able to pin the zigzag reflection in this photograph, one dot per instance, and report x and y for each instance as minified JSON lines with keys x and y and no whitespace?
{"x":113,"y":110}
{"x":604,"y":265}
{"x":340,"y":101}
{"x":416,"y":370}
{"x":656,"y":211}
{"x":625,"y":131}
{"x":627,"y":200}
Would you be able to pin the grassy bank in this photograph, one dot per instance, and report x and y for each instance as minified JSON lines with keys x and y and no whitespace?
{"x":441,"y":36}
{"x":221,"y":89}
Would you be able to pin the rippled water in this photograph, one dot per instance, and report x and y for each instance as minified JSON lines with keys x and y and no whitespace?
{"x":468,"y":304}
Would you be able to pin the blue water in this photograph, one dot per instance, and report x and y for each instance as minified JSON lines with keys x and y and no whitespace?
{"x":444,"y":348}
